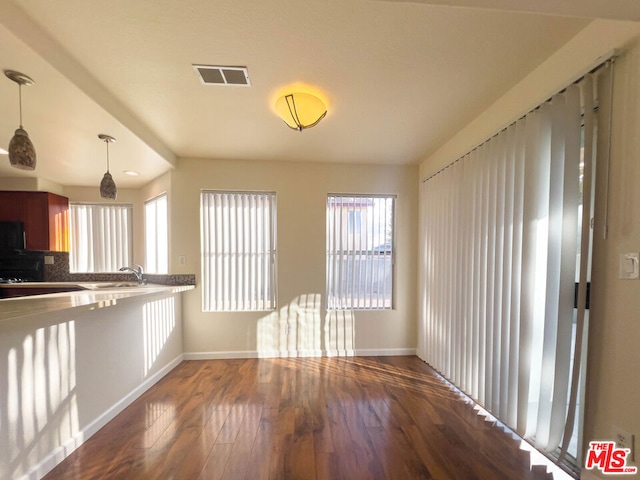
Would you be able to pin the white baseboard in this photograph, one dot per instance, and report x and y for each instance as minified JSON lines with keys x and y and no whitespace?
{"x":220,"y":355}
{"x":389,"y":352}
{"x":340,"y":353}
{"x":59,"y":454}
{"x":250,"y":354}
{"x":384,"y":352}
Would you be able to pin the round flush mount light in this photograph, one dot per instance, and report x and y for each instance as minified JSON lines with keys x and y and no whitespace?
{"x":300,"y":110}
{"x":131,"y":173}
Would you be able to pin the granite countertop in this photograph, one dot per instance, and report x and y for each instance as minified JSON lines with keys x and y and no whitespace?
{"x":89,"y":295}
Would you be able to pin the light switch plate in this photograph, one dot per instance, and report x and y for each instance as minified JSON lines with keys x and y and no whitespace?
{"x":629,"y":268}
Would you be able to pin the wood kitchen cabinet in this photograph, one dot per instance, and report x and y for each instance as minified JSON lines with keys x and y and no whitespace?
{"x":45,"y":216}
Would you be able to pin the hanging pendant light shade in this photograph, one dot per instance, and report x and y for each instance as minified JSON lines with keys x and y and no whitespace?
{"x":300,"y":110}
{"x":107,"y":185}
{"x":22,"y":153}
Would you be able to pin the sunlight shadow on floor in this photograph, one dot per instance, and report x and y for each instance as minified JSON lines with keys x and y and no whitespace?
{"x":293,"y":331}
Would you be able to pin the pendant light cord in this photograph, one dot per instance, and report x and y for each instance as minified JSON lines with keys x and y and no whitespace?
{"x":107,"y":142}
{"x":20,"y":101}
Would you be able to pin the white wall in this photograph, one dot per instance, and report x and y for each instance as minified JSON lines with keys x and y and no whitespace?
{"x":30,"y":184}
{"x":613,"y":384}
{"x":613,"y":388}
{"x":301,"y":195}
{"x":565,"y":66}
{"x":67,"y":373}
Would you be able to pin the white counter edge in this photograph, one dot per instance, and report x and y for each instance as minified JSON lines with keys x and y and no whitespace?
{"x":91,"y":298}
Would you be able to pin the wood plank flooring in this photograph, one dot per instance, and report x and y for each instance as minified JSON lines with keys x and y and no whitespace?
{"x":310,"y":418}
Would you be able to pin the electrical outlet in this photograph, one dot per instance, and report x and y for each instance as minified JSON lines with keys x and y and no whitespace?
{"x":182,"y":260}
{"x":624,"y":439}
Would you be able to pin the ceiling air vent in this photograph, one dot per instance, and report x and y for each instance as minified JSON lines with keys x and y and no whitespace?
{"x":216,"y":75}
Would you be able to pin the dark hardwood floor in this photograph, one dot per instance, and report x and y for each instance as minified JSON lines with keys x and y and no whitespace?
{"x":311,"y":418}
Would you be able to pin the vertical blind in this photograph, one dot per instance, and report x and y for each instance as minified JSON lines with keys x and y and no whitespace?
{"x":504,"y":239}
{"x":238,"y":243}
{"x":156,"y":235}
{"x":360,"y":232}
{"x":101,"y":237}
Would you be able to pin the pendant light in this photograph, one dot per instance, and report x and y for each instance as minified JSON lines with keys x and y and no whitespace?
{"x":107,"y":185}
{"x":300,"y":110}
{"x":22,"y":154}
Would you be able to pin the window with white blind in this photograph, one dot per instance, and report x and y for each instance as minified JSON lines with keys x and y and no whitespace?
{"x":238,"y":247}
{"x":156,"y":235}
{"x":101,"y":238}
{"x":360,"y":252}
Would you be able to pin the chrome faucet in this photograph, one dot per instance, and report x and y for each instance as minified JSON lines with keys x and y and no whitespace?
{"x":138,"y":272}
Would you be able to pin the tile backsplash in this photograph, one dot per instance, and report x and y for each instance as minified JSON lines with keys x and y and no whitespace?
{"x":58,"y":271}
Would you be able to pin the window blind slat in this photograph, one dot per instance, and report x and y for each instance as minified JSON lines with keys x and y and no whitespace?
{"x":238,"y":251}
{"x":499,"y":236}
{"x":359,"y":246}
{"x":101,"y":237}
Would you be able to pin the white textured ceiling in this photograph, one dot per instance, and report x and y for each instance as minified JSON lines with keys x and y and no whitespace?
{"x":399,"y":78}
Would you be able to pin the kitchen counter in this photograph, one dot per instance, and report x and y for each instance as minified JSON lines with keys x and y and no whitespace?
{"x":90,"y":295}
{"x":71,"y":361}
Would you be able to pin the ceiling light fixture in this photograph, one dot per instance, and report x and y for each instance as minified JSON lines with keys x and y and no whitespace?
{"x":300,"y":110}
{"x":107,"y":185}
{"x":22,"y":154}
{"x":131,"y":173}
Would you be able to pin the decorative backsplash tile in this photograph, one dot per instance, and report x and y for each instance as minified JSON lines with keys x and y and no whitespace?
{"x":59,"y":272}
{"x":59,"y":268}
